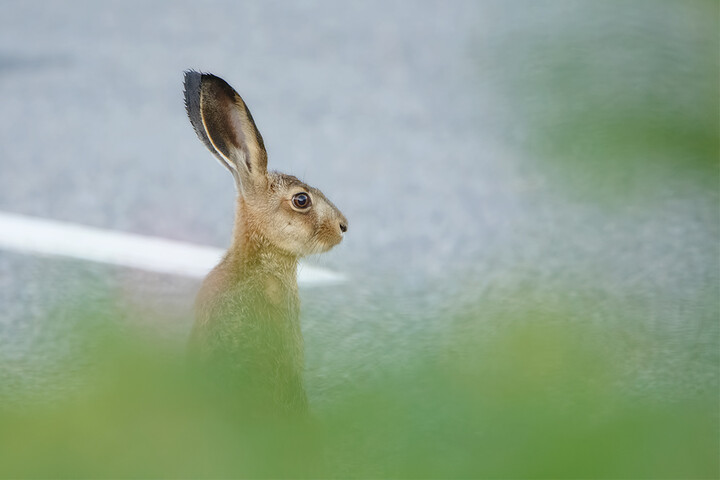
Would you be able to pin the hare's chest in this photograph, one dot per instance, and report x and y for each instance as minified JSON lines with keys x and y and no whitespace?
{"x":270,"y":319}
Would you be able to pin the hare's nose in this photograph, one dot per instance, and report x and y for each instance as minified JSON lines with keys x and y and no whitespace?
{"x":343,"y":227}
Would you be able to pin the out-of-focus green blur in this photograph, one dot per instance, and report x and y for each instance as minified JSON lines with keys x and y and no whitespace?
{"x":528,"y":393}
{"x":521,"y":381}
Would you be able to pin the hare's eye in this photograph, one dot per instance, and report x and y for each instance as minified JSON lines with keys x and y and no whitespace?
{"x":301,"y":200}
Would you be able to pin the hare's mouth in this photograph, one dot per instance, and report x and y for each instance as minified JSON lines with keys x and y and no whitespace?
{"x":322,"y":247}
{"x":323,"y":243}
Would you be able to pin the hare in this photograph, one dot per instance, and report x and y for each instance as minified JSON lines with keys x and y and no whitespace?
{"x":247,"y":310}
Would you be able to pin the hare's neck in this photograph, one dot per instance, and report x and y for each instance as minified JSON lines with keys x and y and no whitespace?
{"x":253,"y":256}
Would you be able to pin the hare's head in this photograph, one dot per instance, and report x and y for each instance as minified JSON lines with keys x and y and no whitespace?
{"x":279,"y":208}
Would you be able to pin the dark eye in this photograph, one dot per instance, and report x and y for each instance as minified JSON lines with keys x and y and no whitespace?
{"x":301,"y":200}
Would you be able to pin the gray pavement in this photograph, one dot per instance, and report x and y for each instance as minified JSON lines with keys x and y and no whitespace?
{"x":418,"y":119}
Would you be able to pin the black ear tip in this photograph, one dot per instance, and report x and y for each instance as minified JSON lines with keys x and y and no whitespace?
{"x":191,"y":91}
{"x":191,"y":80}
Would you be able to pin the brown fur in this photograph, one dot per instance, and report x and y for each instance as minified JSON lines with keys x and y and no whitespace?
{"x":247,"y":310}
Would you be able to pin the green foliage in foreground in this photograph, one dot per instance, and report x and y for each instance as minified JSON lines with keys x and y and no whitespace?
{"x":535,"y":396}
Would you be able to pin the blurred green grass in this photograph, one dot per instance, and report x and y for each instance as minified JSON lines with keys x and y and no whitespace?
{"x":619,"y":100}
{"x":536,"y":395}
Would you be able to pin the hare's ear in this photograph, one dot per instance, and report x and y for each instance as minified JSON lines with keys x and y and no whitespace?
{"x":224,"y":124}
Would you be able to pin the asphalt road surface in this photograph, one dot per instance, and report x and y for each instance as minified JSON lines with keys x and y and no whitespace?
{"x":410,"y":116}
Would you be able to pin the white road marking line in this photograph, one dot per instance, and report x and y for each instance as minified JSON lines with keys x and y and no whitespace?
{"x":50,"y":237}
